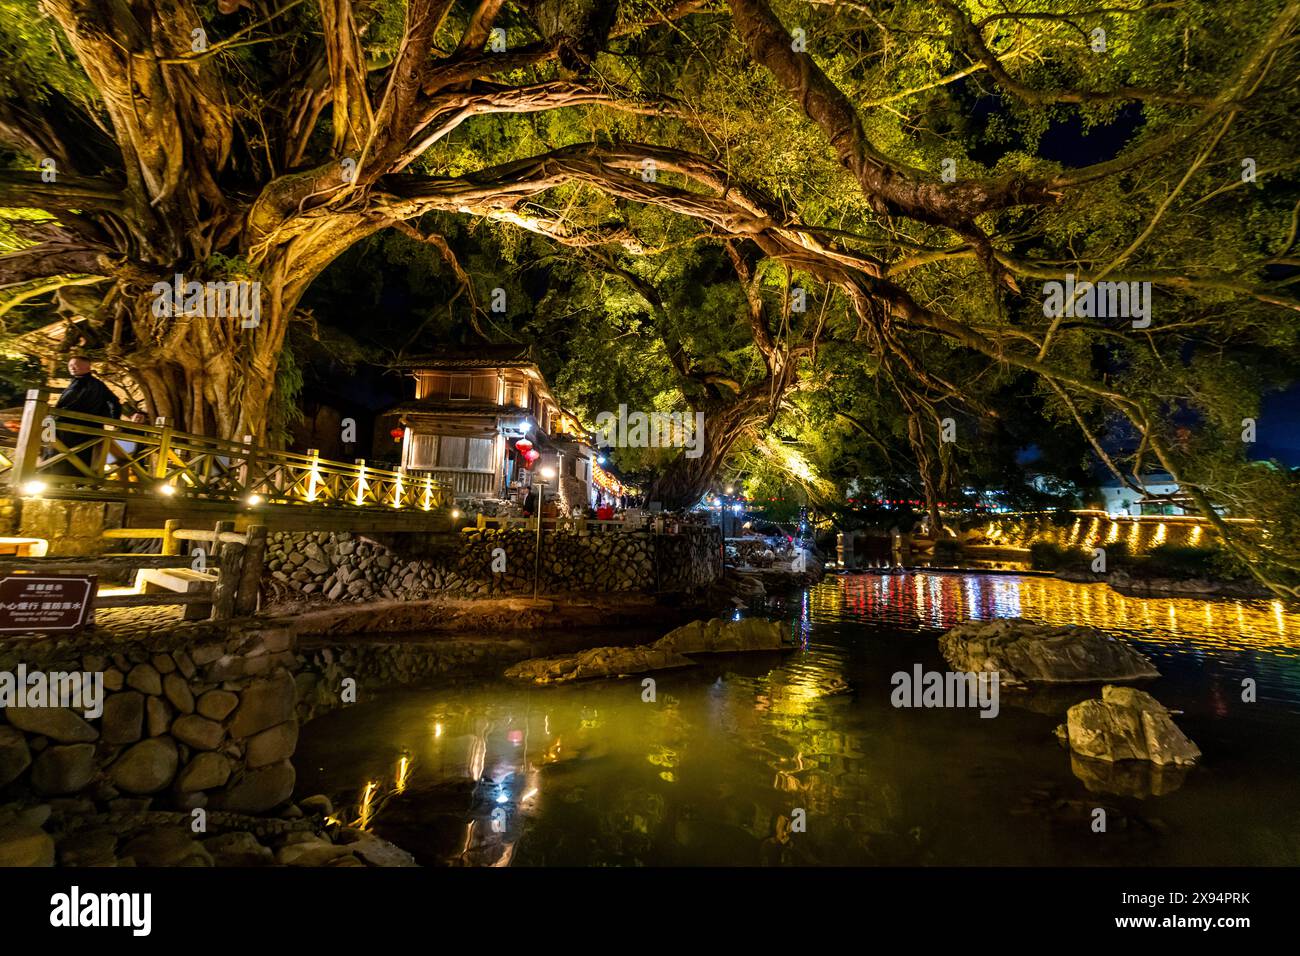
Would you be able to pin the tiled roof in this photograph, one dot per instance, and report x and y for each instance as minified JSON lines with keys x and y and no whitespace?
{"x":489,"y":356}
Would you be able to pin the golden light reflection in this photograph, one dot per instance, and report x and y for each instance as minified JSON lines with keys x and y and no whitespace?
{"x":943,"y":601}
{"x":477,"y":757}
{"x":367,"y":809}
{"x":403,"y":773}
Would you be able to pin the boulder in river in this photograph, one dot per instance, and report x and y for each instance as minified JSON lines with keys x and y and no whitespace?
{"x":723,"y":636}
{"x":1026,"y":653}
{"x":698,"y":637}
{"x":1127,"y":724}
{"x":596,"y":662}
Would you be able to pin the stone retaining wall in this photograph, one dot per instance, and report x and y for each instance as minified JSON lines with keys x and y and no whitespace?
{"x":68,"y":527}
{"x":375,"y":666}
{"x":1089,"y":531}
{"x":348,"y":567}
{"x":198,"y":719}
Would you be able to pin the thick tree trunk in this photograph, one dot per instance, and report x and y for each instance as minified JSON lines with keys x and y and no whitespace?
{"x":686,"y":480}
{"x":209,"y":374}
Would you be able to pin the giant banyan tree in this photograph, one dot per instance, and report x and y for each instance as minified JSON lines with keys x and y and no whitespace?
{"x":899,"y":159}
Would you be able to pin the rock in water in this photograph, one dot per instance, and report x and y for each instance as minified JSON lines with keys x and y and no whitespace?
{"x":1023,"y":652}
{"x":1127,"y":724}
{"x":596,"y":662}
{"x":722,"y":636}
{"x":698,"y":637}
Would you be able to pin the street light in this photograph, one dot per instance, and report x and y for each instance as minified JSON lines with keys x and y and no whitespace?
{"x":543,"y":476}
{"x":723,"y":520}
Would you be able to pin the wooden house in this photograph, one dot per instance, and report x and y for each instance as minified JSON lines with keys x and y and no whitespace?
{"x":468,"y":412}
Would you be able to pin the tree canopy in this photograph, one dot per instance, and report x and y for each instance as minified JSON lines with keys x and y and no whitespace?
{"x":773,"y":199}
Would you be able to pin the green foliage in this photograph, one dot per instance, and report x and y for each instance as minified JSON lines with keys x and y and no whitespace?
{"x":38,"y":63}
{"x":1181,"y":563}
{"x":864,"y":407}
{"x":1050,"y":556}
{"x":286,"y":412}
{"x":947,"y":551}
{"x":18,"y":373}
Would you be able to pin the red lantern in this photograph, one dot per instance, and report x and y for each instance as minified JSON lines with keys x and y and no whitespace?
{"x":397,"y":432}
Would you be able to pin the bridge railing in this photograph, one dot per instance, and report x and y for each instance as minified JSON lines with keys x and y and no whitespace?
{"x":219,"y":579}
{"x":72,"y":455}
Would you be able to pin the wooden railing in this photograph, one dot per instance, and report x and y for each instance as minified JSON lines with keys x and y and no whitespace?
{"x":71,"y":455}
{"x":227,"y":567}
{"x":464,"y":484}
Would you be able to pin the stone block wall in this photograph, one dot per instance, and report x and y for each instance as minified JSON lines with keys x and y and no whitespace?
{"x":188,"y":721}
{"x":379,"y":665}
{"x":1089,"y":531}
{"x":347,"y":567}
{"x":70,"y":527}
{"x":9,"y":513}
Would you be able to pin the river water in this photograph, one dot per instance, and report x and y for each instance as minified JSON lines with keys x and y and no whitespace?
{"x":801,"y":758}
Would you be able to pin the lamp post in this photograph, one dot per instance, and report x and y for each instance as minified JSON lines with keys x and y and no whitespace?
{"x":543,"y":476}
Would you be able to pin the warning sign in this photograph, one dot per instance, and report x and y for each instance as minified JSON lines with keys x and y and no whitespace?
{"x":54,"y":603}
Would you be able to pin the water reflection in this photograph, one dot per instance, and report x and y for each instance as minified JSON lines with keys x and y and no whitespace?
{"x":944,"y":600}
{"x":1129,"y":778}
{"x":716,"y":769}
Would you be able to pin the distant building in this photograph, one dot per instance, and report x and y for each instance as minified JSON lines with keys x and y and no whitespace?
{"x":468,"y":413}
{"x":1160,"y":495}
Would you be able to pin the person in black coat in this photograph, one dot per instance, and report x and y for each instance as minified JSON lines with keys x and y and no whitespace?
{"x":90,"y":396}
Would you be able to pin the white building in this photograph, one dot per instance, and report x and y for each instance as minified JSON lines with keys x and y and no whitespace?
{"x":1120,"y":499}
